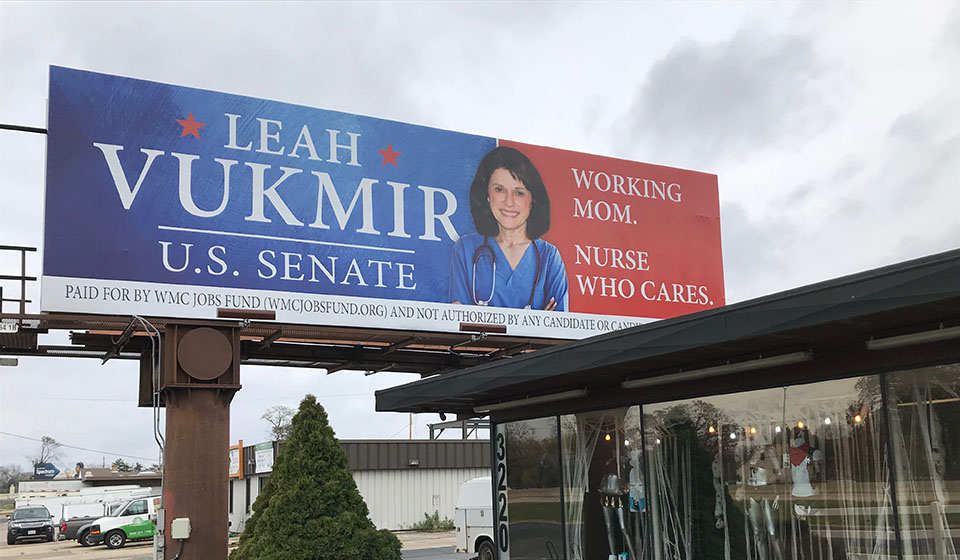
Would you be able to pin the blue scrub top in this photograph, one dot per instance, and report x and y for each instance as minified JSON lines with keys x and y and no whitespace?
{"x":512,"y":287}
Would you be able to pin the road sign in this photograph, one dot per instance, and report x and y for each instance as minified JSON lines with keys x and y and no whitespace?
{"x":45,"y":471}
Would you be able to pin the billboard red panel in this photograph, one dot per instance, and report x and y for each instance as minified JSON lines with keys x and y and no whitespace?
{"x":637,"y":239}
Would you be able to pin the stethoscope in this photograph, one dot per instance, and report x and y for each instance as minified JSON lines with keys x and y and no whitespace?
{"x":487,"y":250}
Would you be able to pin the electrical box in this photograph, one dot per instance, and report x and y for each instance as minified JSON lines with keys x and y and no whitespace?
{"x":180,"y":528}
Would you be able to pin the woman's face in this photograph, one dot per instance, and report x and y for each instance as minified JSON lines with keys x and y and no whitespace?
{"x":509,"y":200}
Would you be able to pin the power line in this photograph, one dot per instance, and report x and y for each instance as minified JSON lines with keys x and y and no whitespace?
{"x":122,"y":455}
{"x":22,"y":128}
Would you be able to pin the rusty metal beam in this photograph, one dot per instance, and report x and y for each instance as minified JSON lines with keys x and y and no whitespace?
{"x":268,"y":340}
{"x":341,"y":367}
{"x":120,"y":343}
{"x":200,"y":373}
{"x":400,"y":344}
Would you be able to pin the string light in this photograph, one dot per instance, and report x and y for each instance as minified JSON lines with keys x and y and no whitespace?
{"x":800,"y":424}
{"x":858,"y":418}
{"x":753,"y":430}
{"x":711,"y":429}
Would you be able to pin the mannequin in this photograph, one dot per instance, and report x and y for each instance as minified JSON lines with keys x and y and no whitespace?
{"x":718,"y":512}
{"x":804,"y":458}
{"x":638,"y":499}
{"x":763,"y":470}
{"x":611,"y":492}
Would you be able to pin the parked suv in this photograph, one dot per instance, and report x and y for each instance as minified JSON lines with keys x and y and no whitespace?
{"x":30,"y":522}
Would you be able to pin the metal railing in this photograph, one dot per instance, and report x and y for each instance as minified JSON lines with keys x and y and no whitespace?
{"x":22,"y":278}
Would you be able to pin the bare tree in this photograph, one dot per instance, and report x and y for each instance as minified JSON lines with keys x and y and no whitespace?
{"x":9,"y":475}
{"x":49,"y":451}
{"x":279,"y":417}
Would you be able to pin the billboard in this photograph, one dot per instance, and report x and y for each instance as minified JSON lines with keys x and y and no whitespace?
{"x":263,"y":457}
{"x":234,"y":455}
{"x":171,"y":201}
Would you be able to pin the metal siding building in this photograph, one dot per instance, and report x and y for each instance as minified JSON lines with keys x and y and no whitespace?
{"x":400,"y":481}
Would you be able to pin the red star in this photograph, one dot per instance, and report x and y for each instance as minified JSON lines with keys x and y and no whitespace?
{"x":390,"y":156}
{"x":190,"y":126}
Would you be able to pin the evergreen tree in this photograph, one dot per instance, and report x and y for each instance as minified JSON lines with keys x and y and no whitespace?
{"x":310,"y":507}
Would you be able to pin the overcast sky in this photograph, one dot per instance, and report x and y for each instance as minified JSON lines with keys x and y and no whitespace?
{"x":833,"y":129}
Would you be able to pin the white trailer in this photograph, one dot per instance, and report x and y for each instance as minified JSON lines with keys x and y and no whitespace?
{"x":473,"y":518}
{"x":69,"y":504}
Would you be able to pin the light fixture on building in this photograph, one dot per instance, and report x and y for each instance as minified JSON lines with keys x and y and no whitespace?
{"x":531,"y":401}
{"x":626,"y":442}
{"x":858,"y":418}
{"x":778,"y":429}
{"x":826,"y":420}
{"x":606,"y":437}
{"x":733,"y":435}
{"x":753,"y":430}
{"x":913,"y":338}
{"x":800,"y":424}
{"x":735,"y":367}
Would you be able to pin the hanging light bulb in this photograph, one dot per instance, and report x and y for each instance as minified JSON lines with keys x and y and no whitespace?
{"x":858,"y":418}
{"x":800,"y":424}
{"x":658,"y":441}
{"x":711,"y":429}
{"x":606,"y":437}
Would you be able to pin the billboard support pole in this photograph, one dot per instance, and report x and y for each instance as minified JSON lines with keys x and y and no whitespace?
{"x":200,"y":371}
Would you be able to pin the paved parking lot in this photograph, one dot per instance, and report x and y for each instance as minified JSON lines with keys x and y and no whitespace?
{"x":70,"y":550}
{"x":416,"y":546}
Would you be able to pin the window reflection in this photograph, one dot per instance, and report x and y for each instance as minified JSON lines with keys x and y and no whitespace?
{"x":605,"y":491}
{"x":533,"y":489}
{"x":795,"y":472}
{"x":924,"y":410}
{"x":790,"y":473}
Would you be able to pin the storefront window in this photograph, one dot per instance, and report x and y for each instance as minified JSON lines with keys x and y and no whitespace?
{"x":533,"y":476}
{"x":788,"y":473}
{"x":604,"y":489}
{"x":924,"y":410}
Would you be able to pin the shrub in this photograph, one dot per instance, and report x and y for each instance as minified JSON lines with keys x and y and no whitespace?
{"x":433,"y":523}
{"x":310,"y":507}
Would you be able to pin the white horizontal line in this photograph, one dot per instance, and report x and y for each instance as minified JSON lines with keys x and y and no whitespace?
{"x":276,"y":238}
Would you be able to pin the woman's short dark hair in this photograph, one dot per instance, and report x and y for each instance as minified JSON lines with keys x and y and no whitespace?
{"x":522,"y":170}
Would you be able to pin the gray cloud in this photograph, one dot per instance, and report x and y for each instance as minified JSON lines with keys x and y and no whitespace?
{"x":756,"y":253}
{"x":710,"y":101}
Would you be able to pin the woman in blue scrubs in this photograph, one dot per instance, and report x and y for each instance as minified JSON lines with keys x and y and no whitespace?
{"x":506,"y":264}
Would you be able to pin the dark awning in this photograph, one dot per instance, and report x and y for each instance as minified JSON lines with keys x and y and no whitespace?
{"x":906,"y":297}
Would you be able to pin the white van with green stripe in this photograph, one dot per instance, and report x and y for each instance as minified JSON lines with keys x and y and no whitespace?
{"x":136,"y":520}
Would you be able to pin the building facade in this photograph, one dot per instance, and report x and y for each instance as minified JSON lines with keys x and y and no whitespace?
{"x":401,"y":481}
{"x":820,"y":423}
